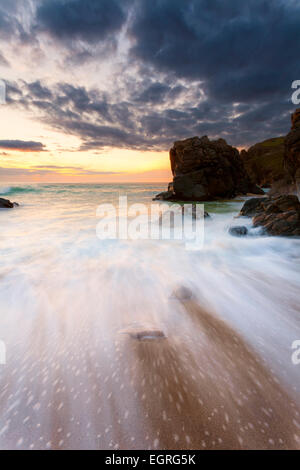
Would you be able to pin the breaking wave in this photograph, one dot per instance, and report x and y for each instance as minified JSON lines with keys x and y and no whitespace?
{"x":7,"y":190}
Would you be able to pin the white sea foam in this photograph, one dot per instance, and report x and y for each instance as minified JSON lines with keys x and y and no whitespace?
{"x":5,"y":190}
{"x":65,"y":295}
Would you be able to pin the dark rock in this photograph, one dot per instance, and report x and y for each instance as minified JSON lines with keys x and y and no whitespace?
{"x":278,"y":216}
{"x":251,"y":207}
{"x":165,"y":196}
{"x":6,"y":204}
{"x":206,"y":215}
{"x":182,"y":293}
{"x":147,"y":334}
{"x":292,"y":150}
{"x":283,"y":186}
{"x":264,"y":162}
{"x":207,"y":170}
{"x":238,"y":231}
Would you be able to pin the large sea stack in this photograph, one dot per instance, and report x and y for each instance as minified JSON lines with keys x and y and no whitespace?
{"x":207,"y":170}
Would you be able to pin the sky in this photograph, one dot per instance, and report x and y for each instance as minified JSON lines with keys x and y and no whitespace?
{"x":98,"y":90}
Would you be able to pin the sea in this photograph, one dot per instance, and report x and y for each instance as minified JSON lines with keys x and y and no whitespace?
{"x":143,"y":344}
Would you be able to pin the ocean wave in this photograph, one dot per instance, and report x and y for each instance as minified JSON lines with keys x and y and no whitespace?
{"x":18,"y":189}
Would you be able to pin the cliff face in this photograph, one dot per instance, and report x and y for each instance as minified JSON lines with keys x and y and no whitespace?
{"x":292,"y":150}
{"x":264,"y":161}
{"x":205,"y":170}
{"x":276,"y":162}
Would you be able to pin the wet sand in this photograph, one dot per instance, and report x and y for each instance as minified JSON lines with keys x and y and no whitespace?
{"x":199,"y":387}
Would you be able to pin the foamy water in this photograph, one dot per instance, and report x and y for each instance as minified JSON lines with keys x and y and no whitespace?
{"x":75,"y":376}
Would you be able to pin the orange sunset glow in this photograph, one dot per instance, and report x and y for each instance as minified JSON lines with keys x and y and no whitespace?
{"x":106,"y":165}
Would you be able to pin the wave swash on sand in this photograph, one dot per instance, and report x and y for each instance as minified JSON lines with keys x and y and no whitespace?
{"x":144,"y":345}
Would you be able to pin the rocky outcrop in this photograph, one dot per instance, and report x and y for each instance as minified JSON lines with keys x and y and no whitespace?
{"x":252,"y":206}
{"x":278,"y":216}
{"x":292,"y":150}
{"x":264,"y":162}
{"x":207,"y":170}
{"x":6,"y":204}
{"x":276,"y":162}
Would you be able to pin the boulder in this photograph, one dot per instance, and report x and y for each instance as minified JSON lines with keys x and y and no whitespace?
{"x":6,"y":204}
{"x":240,"y":231}
{"x":206,"y":170}
{"x":182,"y":293}
{"x":252,"y":206}
{"x":292,"y":150}
{"x":264,"y":162}
{"x":278,"y":216}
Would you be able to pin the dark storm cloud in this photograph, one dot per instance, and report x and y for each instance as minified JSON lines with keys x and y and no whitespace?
{"x":155,"y":93}
{"x":244,"y":51}
{"x":5,"y":25}
{"x":96,"y":118}
{"x":205,"y":67}
{"x":87,"y":20}
{"x":22,"y":145}
{"x":11,"y":27}
{"x":101,"y":122}
{"x":39,"y":91}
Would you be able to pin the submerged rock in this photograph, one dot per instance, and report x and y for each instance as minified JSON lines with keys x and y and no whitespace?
{"x":145,"y":334}
{"x":6,"y":204}
{"x":182,"y":293}
{"x":206,"y":170}
{"x":278,"y":216}
{"x":240,"y":231}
